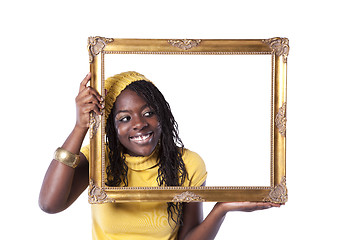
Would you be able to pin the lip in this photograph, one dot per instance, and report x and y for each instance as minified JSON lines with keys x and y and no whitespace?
{"x":142,"y":138}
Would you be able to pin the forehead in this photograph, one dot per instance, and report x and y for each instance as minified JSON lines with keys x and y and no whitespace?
{"x":129,"y":100}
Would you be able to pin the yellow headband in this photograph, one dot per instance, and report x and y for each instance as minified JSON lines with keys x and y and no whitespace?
{"x":114,"y":86}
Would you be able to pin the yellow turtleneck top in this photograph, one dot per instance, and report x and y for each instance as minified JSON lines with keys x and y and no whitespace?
{"x":142,"y":220}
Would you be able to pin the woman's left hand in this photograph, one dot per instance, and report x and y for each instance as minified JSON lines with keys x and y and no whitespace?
{"x":246,"y":206}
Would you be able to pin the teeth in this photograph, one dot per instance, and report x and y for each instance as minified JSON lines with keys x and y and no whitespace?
{"x":141,"y":138}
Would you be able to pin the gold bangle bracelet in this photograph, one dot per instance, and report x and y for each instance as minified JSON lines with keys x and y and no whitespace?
{"x":66,"y":157}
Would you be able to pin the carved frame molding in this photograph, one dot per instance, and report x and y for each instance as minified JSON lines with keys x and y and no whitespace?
{"x":278,"y":48}
{"x":185,"y":44}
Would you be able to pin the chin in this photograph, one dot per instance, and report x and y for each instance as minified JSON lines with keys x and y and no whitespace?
{"x":142,"y":152}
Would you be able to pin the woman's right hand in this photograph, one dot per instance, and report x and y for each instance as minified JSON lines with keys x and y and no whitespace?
{"x":86,"y":101}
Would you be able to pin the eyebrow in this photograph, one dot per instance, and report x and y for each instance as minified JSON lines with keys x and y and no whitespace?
{"x":127,"y":111}
{"x":121,"y":111}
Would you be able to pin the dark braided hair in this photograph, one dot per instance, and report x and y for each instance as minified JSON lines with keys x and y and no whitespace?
{"x":172,"y":170}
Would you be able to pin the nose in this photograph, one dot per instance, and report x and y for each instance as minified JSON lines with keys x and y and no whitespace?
{"x":139,"y":123}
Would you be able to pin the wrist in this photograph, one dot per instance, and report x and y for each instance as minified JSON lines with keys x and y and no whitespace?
{"x":80,"y":129}
{"x":75,"y":139}
{"x":220,"y":209}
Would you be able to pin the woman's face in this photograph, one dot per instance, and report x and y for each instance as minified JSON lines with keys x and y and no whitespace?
{"x":137,"y":126}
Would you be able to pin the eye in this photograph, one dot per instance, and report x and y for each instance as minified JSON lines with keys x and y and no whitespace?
{"x":148,"y":114}
{"x":124,"y":119}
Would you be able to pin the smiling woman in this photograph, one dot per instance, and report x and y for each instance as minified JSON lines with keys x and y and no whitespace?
{"x":138,"y":121}
{"x":142,"y":149}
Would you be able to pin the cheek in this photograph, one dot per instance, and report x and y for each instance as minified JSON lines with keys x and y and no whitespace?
{"x":121,"y":132}
{"x":158,"y":129}
{"x":154,"y":123}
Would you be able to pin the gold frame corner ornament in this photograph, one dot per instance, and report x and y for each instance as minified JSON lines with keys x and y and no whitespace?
{"x":280,"y":46}
{"x":278,"y":194}
{"x":95,"y":45}
{"x":280,"y":120}
{"x":97,"y":195}
{"x":185,"y":44}
{"x":187,"y":197}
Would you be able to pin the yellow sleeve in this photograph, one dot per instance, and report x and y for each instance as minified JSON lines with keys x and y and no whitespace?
{"x":195,"y":167}
{"x":86,"y":151}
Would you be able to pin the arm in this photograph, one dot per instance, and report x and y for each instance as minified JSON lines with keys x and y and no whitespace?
{"x":62,"y":184}
{"x":194,"y":228}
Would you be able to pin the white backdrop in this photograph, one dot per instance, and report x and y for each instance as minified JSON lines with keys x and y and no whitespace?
{"x":222,"y":104}
{"x":44,"y":58}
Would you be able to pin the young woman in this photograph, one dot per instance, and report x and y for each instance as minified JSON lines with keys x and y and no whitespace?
{"x":144,"y":149}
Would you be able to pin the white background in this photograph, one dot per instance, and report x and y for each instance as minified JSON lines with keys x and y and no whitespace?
{"x":222,"y":104}
{"x":44,"y":57}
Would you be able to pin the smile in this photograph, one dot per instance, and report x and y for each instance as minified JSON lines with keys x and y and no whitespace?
{"x":144,"y":138}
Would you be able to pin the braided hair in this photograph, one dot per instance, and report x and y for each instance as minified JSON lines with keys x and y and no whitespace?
{"x":172,"y":171}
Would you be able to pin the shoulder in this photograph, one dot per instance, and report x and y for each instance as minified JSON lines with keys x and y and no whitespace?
{"x":192,"y":158}
{"x":86,"y":152}
{"x":195,"y":167}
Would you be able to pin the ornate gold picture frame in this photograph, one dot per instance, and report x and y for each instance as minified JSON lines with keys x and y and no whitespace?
{"x":275,"y":49}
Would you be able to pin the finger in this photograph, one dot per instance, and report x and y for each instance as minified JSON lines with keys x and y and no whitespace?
{"x":87,"y":108}
{"x":84,"y":82}
{"x":90,"y":91}
{"x":266,"y":205}
{"x":276,"y":204}
{"x":88,"y":98}
{"x":255,"y":206}
{"x":96,"y":109}
{"x":90,"y":101}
